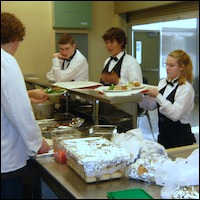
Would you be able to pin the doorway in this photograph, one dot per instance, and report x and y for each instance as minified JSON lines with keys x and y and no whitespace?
{"x":146,"y":51}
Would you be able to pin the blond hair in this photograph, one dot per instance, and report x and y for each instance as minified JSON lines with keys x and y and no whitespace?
{"x":183,"y":58}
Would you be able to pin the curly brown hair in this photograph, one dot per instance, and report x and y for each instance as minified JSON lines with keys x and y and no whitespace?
{"x":12,"y":28}
{"x":117,"y":34}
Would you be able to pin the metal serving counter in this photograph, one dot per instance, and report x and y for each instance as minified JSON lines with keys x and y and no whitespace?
{"x":32,"y":81}
{"x":67,"y":184}
{"x":95,"y":96}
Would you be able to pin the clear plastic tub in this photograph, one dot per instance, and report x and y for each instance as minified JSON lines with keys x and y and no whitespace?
{"x":60,"y":154}
{"x":106,"y":131}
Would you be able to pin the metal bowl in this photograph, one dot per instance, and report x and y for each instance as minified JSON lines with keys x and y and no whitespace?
{"x":44,"y":110}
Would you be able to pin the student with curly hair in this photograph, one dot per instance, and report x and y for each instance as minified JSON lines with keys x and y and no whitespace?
{"x":21,"y":136}
{"x":120,"y":68}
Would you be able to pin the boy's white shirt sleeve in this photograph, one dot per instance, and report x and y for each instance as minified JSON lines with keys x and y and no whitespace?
{"x":20,"y":134}
{"x":56,"y":65}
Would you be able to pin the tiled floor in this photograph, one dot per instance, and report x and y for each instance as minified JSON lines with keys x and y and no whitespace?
{"x":144,"y":125}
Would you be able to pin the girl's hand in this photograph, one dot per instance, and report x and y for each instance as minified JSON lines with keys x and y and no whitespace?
{"x":153,"y":92}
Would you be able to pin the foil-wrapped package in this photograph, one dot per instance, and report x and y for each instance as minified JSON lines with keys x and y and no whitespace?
{"x":144,"y":168}
{"x":152,"y":149}
{"x":96,"y":153}
{"x":187,"y":192}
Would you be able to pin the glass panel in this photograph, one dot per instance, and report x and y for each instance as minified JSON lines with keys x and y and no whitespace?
{"x":177,"y":34}
{"x":139,"y":51}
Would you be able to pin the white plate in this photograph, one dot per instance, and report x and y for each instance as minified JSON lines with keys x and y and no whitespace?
{"x":106,"y":90}
{"x":136,"y":87}
{"x":56,"y":94}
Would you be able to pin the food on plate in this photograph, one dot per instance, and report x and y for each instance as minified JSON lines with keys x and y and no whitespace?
{"x":111,"y":87}
{"x":136,"y":84}
{"x":117,"y":87}
{"x":54,"y":90}
{"x":120,"y":87}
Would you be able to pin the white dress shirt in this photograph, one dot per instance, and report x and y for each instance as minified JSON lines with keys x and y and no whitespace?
{"x":130,"y":69}
{"x":183,"y":104}
{"x":76,"y":71}
{"x":20,"y":134}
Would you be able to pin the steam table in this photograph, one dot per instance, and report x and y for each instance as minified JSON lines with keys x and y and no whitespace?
{"x":95,"y":96}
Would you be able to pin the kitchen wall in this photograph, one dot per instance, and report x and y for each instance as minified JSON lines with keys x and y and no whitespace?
{"x":35,"y":52}
{"x":130,"y":6}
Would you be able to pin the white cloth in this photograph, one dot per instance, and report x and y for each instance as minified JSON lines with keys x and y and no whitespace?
{"x":130,"y":69}
{"x":181,"y":172}
{"x":20,"y":134}
{"x":77,"y":69}
{"x":183,"y":104}
{"x":134,"y":142}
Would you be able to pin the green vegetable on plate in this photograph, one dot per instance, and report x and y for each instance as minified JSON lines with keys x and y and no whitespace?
{"x":111,"y":87}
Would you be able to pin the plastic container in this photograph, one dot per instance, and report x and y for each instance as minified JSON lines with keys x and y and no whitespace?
{"x":60,"y":153}
{"x":135,"y":193}
{"x":105,"y":131}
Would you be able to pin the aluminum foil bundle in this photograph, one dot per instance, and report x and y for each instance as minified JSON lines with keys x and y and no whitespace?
{"x":152,"y":149}
{"x":189,"y":192}
{"x":144,"y":168}
{"x":96,"y":153}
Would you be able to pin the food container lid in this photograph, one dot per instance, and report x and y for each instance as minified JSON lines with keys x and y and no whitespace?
{"x":134,"y":193}
{"x":102,"y":130}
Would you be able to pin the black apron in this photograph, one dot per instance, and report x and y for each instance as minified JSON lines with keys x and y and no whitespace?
{"x":108,"y":113}
{"x":116,"y":69}
{"x":173,"y":134}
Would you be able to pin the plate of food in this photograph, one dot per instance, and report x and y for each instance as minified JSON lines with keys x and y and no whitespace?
{"x":117,"y":88}
{"x":135,"y":85}
{"x":55,"y":91}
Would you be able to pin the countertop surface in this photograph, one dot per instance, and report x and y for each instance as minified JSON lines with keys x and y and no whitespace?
{"x":66,"y":183}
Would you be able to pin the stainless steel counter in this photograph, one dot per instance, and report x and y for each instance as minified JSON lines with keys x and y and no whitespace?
{"x":95,"y":96}
{"x":67,"y":184}
{"x":33,"y":81}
